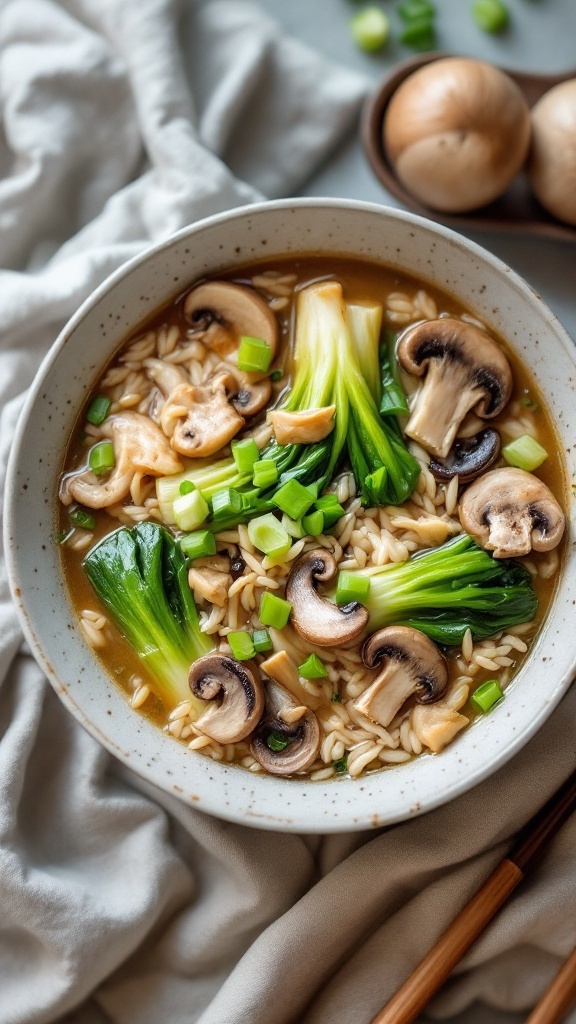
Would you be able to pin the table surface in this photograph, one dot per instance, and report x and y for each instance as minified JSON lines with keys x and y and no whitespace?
{"x":540,"y":38}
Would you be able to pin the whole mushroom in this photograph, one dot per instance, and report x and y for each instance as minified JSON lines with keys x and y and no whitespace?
{"x":552,"y":163}
{"x":509,"y":512}
{"x":320,"y":621}
{"x":457,"y":132}
{"x":412,"y":665}
{"x":299,"y":740}
{"x":238,"y":691}
{"x":464,"y":369}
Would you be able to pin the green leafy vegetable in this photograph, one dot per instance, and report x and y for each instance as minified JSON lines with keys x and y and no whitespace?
{"x":393,"y":401}
{"x":141,"y":576}
{"x":446,"y":590}
{"x":341,"y":765}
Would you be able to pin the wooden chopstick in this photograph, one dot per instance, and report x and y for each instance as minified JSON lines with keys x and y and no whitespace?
{"x":559,"y":998}
{"x":437,"y":965}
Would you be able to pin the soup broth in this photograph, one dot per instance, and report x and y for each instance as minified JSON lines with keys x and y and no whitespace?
{"x":351,"y":739}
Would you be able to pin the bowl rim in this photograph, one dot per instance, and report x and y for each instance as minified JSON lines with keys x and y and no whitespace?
{"x":347,"y":823}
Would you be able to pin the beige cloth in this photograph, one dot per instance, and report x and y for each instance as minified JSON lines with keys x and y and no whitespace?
{"x":118,"y":904}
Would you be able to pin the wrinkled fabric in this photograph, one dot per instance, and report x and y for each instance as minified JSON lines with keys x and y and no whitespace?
{"x":122,"y":122}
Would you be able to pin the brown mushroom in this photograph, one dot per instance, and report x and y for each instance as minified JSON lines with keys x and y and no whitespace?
{"x":413,"y":666}
{"x":320,"y":621}
{"x":139,"y":447}
{"x":238,"y":690}
{"x":252,"y":390}
{"x":304,"y":427}
{"x":297,"y":743}
{"x":468,"y":457}
{"x":464,"y":369}
{"x":222,"y":312}
{"x":509,"y":512}
{"x":199,"y":419}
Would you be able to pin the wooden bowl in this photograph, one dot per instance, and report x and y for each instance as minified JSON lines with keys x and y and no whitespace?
{"x":517,"y":210}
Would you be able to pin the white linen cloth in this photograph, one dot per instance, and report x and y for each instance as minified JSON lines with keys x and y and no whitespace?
{"x":121,"y":122}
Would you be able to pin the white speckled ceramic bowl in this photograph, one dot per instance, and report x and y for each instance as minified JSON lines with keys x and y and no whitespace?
{"x":417,"y":246}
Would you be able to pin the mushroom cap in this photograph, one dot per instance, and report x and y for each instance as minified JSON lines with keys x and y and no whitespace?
{"x":224,"y":312}
{"x":457,"y":132}
{"x":552,"y":163}
{"x":252,"y":390}
{"x":509,"y":512}
{"x":217,"y":676}
{"x":139,"y":447}
{"x":320,"y":621}
{"x":468,"y":457}
{"x":303,"y":736}
{"x":465,"y":369}
{"x":417,"y":653}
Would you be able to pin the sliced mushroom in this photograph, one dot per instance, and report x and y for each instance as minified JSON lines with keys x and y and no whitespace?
{"x":303,"y":736}
{"x":465,"y":369}
{"x":139,"y":447}
{"x":436,"y":725}
{"x":468,"y":457}
{"x":305,"y":427}
{"x":283,"y":670}
{"x":199,"y":419}
{"x":317,"y":620}
{"x":252,"y":390}
{"x":222,"y":312}
{"x":211,"y":584}
{"x":239,"y":692}
{"x":413,"y":666}
{"x":510,"y":512}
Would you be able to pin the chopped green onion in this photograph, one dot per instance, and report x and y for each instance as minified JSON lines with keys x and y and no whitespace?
{"x":245,"y":453}
{"x":250,"y":498}
{"x":81,"y":518}
{"x":64,"y":535}
{"x":352,"y":587}
{"x":313,"y":488}
{"x":261,"y":640}
{"x":490,"y":15}
{"x":241,"y":644}
{"x":336,"y":698}
{"x":199,"y":544}
{"x":331,"y":507}
{"x":313,"y":668}
{"x":314,"y":523}
{"x":277,"y":741}
{"x":293,"y":527}
{"x":101,"y":458}
{"x":274,"y":611}
{"x":98,"y":410}
{"x":254,"y":355}
{"x":265,"y":474}
{"x":412,"y":10}
{"x":420,"y":35}
{"x":294,"y":499}
{"x":268,"y":535}
{"x":276,"y":375}
{"x":487,"y":695}
{"x":370,"y":29}
{"x":341,"y":765}
{"x":225,"y":502}
{"x":190,"y":511}
{"x":186,"y":487}
{"x":525,"y":453}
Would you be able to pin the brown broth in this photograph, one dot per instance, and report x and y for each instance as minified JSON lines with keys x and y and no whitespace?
{"x":361,"y":281}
